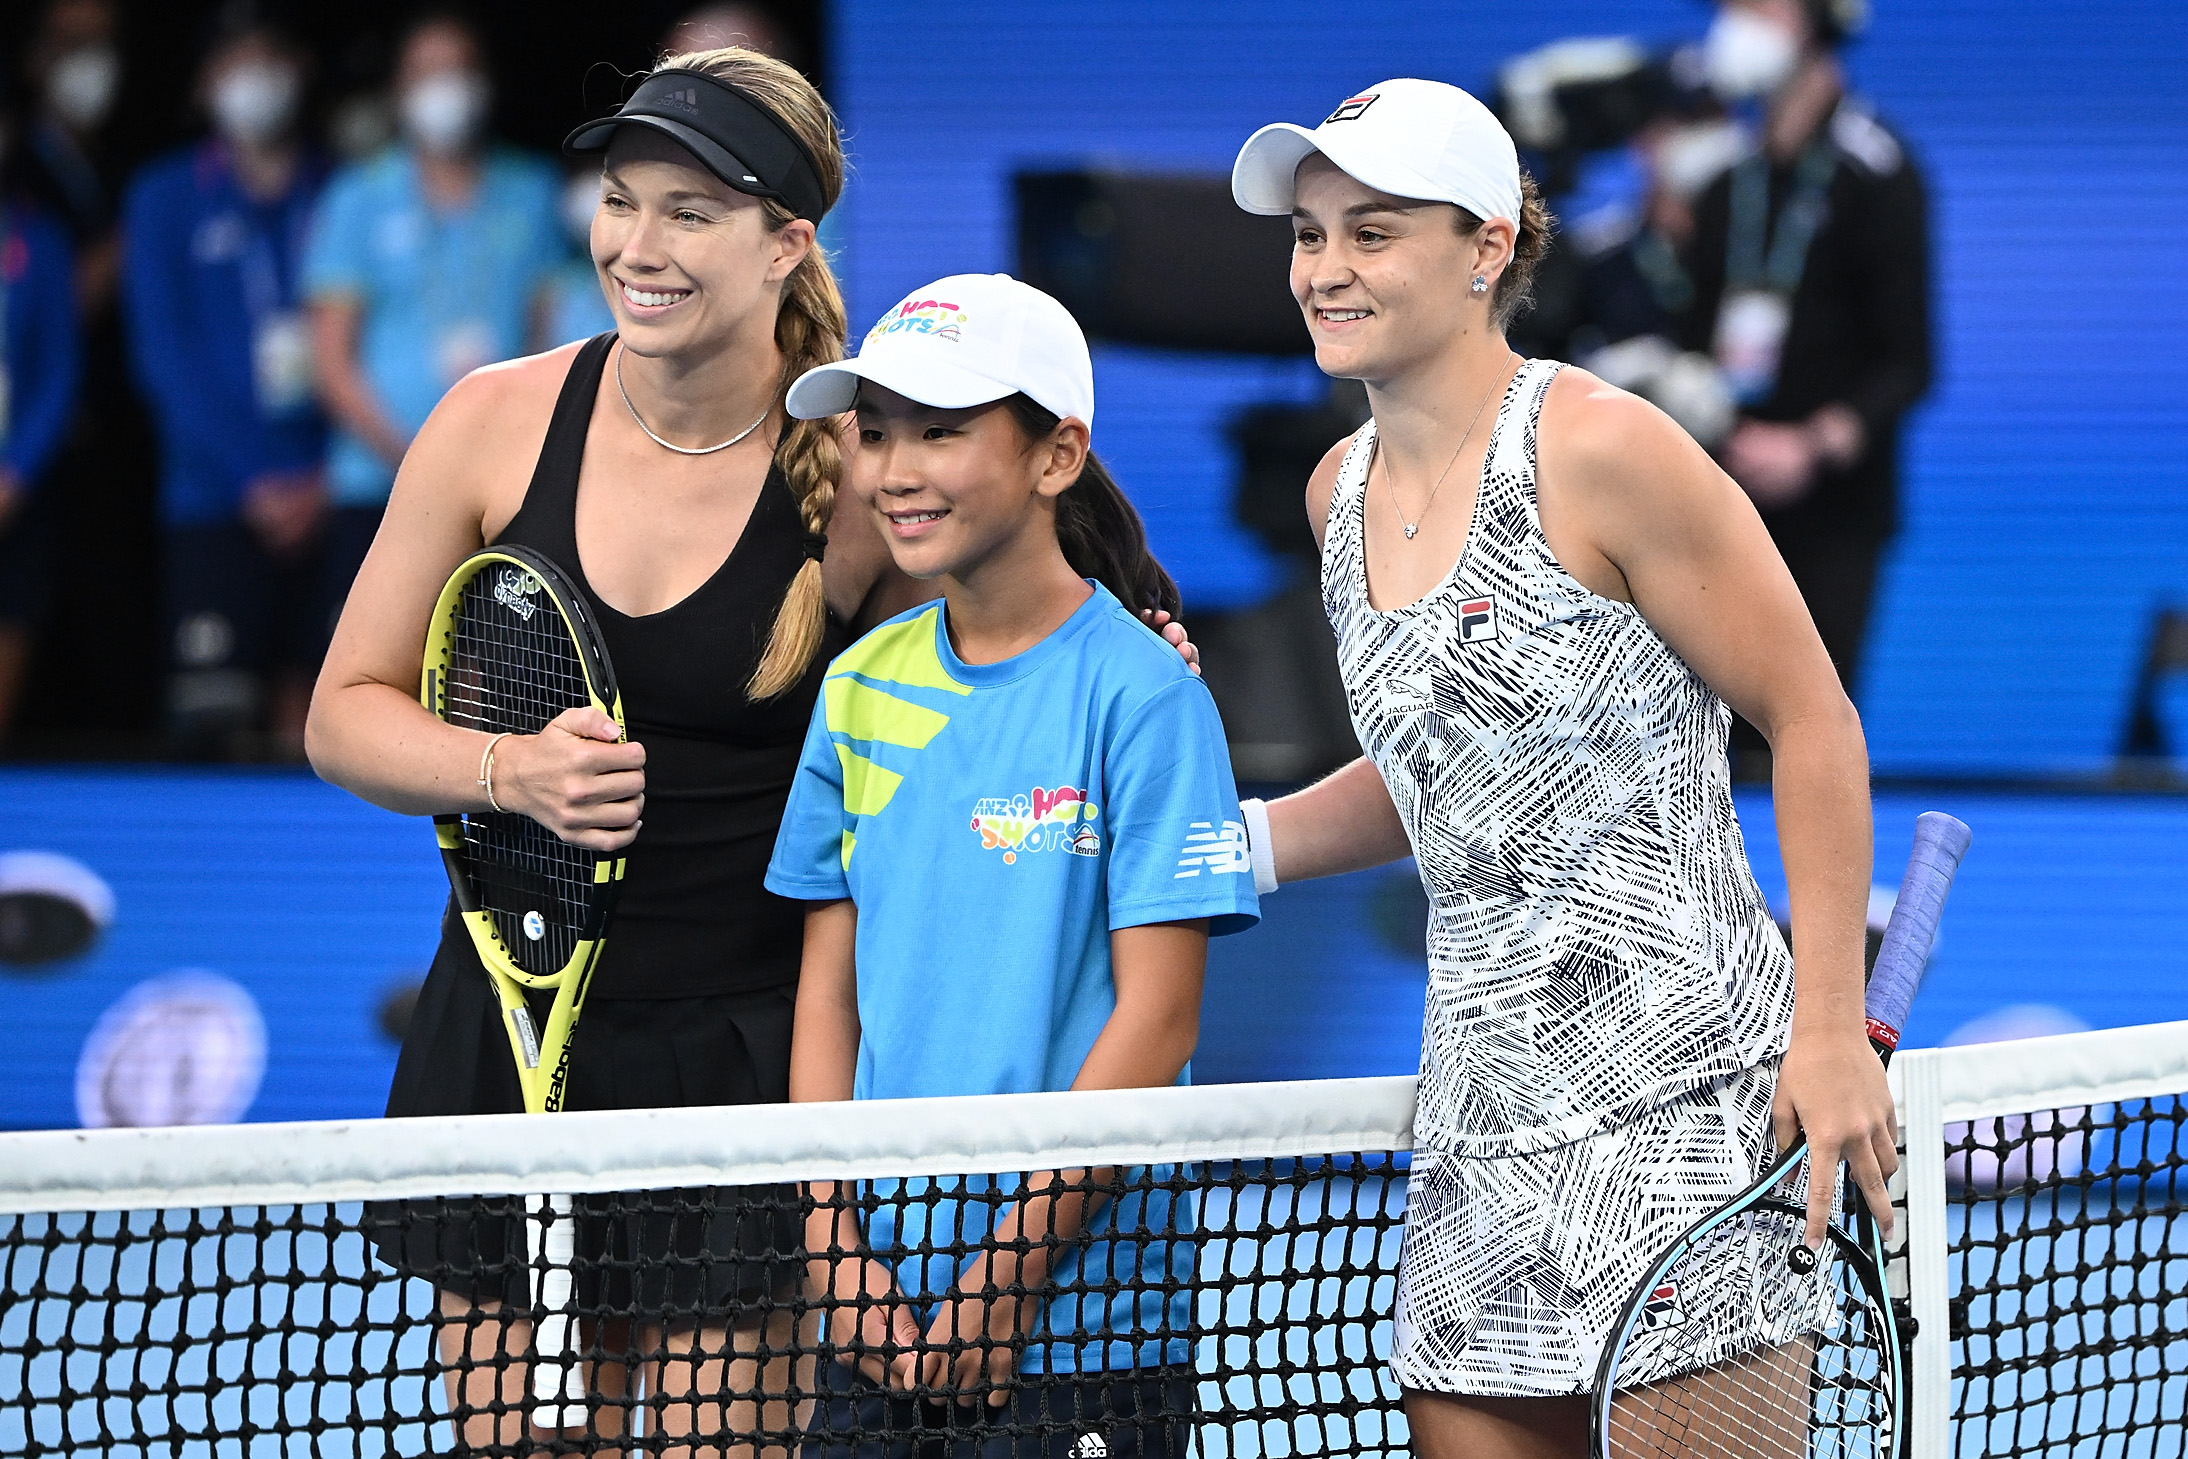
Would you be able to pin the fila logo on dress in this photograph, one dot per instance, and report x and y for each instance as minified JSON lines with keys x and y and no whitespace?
{"x":1662,"y":1311}
{"x":1477,"y":620}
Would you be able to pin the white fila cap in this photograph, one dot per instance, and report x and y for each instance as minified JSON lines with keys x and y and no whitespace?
{"x":963,"y":341}
{"x":1411,"y":139}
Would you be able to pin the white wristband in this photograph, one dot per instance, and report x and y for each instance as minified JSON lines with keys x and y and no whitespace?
{"x":1260,"y":846}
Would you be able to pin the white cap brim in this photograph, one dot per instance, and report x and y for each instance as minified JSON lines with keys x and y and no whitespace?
{"x":1265,"y":177}
{"x":829,"y":390}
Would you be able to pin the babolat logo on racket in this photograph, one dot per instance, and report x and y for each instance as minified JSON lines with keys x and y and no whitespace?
{"x":1477,"y":620}
{"x":515,"y":589}
{"x":1350,"y":108}
{"x":1662,"y":1310}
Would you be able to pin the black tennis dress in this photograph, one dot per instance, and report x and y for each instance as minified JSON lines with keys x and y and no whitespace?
{"x":691,"y":1002}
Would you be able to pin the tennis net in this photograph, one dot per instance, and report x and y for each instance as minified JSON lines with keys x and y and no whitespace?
{"x":1215,"y":1270}
{"x":279,"y":1289}
{"x":2046,"y":1245}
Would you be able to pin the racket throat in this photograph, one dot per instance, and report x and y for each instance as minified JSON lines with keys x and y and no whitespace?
{"x":520,"y":1018}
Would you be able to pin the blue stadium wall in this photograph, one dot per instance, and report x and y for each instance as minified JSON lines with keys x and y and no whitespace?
{"x":2047,"y":500}
{"x":318,"y":906}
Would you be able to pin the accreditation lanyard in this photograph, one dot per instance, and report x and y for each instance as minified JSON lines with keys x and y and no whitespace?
{"x":281,"y":359}
{"x":1763,"y":267}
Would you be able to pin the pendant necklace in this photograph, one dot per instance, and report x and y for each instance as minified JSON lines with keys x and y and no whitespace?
{"x":693,"y":450}
{"x":1388,"y":485}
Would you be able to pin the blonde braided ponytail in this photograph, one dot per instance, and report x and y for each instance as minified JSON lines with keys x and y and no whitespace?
{"x":809,"y":330}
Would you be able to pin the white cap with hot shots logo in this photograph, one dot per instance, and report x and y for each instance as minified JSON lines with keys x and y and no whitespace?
{"x":963,"y":341}
{"x":1408,"y":138}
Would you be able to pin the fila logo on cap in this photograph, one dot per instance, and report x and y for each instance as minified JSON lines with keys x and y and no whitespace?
{"x":1350,"y":108}
{"x":1477,"y":620}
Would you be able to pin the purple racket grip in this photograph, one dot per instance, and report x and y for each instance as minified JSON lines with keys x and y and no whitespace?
{"x":1939,"y":843}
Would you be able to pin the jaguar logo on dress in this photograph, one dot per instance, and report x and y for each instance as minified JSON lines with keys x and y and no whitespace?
{"x":1477,"y":620}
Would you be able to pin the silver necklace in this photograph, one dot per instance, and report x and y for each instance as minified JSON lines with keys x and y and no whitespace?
{"x":671,"y":445}
{"x":1392,"y":488}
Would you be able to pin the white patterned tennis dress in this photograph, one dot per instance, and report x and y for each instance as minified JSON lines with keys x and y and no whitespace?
{"x":1607,"y":995}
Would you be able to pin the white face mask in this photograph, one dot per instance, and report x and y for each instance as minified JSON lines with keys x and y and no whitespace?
{"x":1745,"y":55}
{"x":255,"y":101}
{"x":444,"y":112}
{"x":80,"y":87}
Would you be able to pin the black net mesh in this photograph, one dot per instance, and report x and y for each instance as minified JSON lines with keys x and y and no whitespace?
{"x":1231,"y":1307}
{"x":2068,"y":1274}
{"x":513,"y":668}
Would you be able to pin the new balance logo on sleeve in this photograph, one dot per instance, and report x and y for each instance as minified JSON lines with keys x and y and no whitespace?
{"x":1220,"y":851}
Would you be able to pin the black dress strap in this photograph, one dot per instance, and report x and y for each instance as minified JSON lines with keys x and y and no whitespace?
{"x":547,"y":520}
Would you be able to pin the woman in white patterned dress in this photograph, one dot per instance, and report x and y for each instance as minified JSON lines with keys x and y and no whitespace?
{"x":1545,"y":596}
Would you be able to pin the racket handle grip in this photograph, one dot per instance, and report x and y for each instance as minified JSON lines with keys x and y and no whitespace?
{"x":558,"y":1379}
{"x":1939,"y":843}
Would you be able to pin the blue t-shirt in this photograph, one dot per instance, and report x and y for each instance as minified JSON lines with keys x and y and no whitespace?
{"x":994,"y":823}
{"x":212,"y":278}
{"x":442,"y":293}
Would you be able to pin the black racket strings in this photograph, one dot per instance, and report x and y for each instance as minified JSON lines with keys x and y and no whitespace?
{"x":513,"y":673}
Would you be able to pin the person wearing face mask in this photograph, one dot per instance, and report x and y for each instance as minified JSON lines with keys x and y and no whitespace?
{"x":63,"y":160}
{"x":214,"y":302}
{"x":39,"y":366}
{"x":427,"y":261}
{"x":576,"y":308}
{"x":1810,"y":267}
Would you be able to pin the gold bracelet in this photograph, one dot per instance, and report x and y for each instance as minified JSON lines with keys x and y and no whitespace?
{"x":486,"y":769}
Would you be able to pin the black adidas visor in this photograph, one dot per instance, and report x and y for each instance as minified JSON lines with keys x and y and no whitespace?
{"x":733,"y":136}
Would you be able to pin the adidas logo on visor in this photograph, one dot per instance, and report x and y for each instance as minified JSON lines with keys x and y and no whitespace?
{"x":688,"y":98}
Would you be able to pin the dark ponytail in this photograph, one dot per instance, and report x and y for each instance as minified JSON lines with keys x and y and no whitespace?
{"x":1101,"y":534}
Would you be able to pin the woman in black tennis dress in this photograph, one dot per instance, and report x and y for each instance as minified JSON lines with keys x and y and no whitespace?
{"x":657,"y":467}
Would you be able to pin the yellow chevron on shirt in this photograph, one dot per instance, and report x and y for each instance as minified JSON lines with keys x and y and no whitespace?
{"x":856,"y":709}
{"x":867,"y":787}
{"x":861,"y":712}
{"x":900,"y":653}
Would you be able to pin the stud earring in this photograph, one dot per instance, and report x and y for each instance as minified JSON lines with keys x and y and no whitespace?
{"x":1481,"y":284}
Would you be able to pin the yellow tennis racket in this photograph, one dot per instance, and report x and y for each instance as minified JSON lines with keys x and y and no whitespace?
{"x":512,"y":644}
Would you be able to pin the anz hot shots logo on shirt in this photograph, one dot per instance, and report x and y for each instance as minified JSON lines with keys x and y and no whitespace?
{"x":1047,"y":820}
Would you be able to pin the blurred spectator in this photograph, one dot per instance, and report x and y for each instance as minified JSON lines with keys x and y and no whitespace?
{"x":99,"y":487}
{"x":213,"y":290}
{"x":64,"y":163}
{"x":39,"y":363}
{"x":710,"y":27}
{"x":576,"y":307}
{"x":1810,"y":268}
{"x":427,"y":261}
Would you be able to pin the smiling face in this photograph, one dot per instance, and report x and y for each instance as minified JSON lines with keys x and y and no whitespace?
{"x":958,"y":490}
{"x":685,"y":259}
{"x":1384,"y":281}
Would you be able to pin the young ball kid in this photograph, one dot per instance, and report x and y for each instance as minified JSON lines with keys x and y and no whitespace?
{"x":1016,"y":827}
